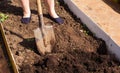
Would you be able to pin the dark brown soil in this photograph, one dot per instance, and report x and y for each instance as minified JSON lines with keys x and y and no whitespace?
{"x":76,"y":49}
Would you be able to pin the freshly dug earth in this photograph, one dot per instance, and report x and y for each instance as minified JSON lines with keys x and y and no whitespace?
{"x":76,"y":49}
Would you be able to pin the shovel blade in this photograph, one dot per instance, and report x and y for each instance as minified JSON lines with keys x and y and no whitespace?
{"x":45,"y":42}
{"x":39,"y":41}
{"x":50,"y":37}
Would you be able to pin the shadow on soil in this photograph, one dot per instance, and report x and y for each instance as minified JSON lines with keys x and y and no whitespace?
{"x":11,"y":9}
{"x":28,"y":43}
{"x":114,"y":6}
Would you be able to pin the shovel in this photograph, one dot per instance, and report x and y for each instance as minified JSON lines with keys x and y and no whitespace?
{"x":44,"y":35}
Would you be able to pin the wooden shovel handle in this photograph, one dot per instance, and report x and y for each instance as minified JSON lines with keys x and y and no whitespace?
{"x":40,"y":14}
{"x":39,"y":7}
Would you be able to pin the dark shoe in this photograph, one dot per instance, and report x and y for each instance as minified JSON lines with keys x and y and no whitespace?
{"x":59,"y":20}
{"x":26,"y":20}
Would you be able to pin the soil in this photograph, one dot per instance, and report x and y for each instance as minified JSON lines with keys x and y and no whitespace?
{"x":76,"y":49}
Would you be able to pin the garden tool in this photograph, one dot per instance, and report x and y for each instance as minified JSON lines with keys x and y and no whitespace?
{"x":44,"y":35}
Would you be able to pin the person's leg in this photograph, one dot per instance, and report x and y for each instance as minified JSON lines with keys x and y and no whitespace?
{"x":26,"y":8}
{"x":53,"y":14}
{"x":26,"y":12}
{"x":51,"y":8}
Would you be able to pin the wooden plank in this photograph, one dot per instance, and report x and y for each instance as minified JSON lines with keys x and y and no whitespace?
{"x":12,"y":60}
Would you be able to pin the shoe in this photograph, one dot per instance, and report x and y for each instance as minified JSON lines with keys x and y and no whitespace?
{"x":26,"y":20}
{"x":58,"y":20}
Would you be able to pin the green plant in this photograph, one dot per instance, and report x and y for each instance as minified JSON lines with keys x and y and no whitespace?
{"x":86,"y":30}
{"x":3,"y":17}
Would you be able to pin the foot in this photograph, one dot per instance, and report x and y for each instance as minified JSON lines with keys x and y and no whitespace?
{"x":56,"y":18}
{"x":59,"y":20}
{"x":26,"y":20}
